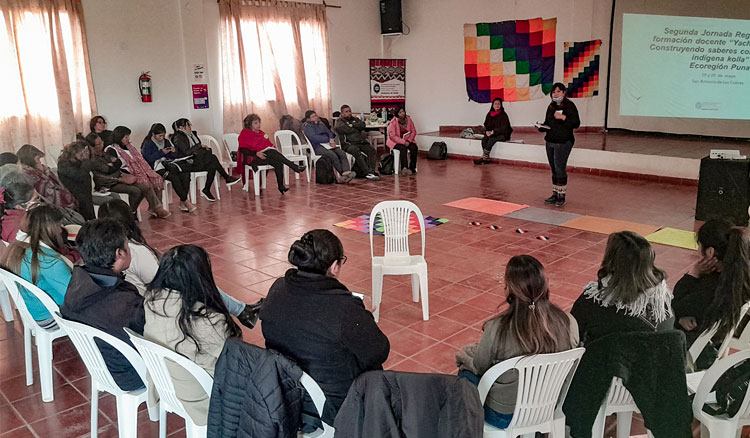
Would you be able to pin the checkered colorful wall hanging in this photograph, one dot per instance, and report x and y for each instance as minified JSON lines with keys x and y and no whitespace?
{"x":512,"y":60}
{"x":362,"y":224}
{"x":581,"y":64}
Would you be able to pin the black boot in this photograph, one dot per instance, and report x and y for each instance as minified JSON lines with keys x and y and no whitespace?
{"x":552,"y":199}
{"x":560,"y":200}
{"x":249,"y":316}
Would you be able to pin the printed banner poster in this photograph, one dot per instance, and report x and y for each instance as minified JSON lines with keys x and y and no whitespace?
{"x":513,"y":60}
{"x":581,"y":66}
{"x":387,"y":84}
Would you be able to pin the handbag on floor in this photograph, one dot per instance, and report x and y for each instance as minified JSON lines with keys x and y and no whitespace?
{"x":386,"y":164}
{"x":324,"y":172}
{"x":438,"y":151}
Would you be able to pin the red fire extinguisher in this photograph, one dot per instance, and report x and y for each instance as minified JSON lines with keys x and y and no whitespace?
{"x":144,"y":84}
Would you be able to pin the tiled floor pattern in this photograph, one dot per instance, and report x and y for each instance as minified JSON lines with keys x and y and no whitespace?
{"x":249,"y":237}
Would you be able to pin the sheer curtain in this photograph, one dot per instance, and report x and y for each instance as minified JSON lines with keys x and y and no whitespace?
{"x":274,"y":60}
{"x":48,"y":95}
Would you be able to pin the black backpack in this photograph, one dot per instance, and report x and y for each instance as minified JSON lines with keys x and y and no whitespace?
{"x":386,"y":164}
{"x":730,"y":390}
{"x":438,"y":151}
{"x":324,"y":172}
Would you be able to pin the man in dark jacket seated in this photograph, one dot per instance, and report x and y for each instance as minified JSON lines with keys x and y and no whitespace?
{"x":351,"y":130}
{"x":99,"y":296}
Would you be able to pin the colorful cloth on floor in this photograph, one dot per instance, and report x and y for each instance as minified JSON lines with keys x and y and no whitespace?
{"x":362,"y":224}
{"x":581,"y":68}
{"x":513,"y":60}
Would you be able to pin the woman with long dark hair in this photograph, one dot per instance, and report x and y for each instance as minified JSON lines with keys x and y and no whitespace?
{"x":630,"y":294}
{"x":559,"y":122}
{"x":74,"y":170}
{"x":718,"y":284}
{"x":144,"y":262}
{"x":162,"y":156}
{"x":185,"y":312}
{"x":496,"y":128}
{"x":148,"y":182}
{"x":37,"y":257}
{"x":18,"y":196}
{"x":531,"y":324}
{"x":331,"y":336}
{"x":46,"y":182}
{"x":187,"y":142}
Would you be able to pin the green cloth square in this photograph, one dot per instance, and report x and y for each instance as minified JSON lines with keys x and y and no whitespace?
{"x":483,"y":29}
{"x":535,"y":79}
{"x":522,"y":67}
{"x":496,"y":42}
{"x":509,"y":55}
{"x":547,"y":87}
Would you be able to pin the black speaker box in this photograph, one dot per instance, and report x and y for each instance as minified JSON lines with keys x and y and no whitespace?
{"x":390,"y":16}
{"x":723,"y":190}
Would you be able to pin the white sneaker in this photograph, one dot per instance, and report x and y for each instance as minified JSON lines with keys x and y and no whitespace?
{"x":372,"y":177}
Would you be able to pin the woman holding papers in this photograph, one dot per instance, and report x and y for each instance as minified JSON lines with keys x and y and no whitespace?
{"x":401,"y":135}
{"x":257,"y":150}
{"x":496,"y":128}
{"x":560,"y":121}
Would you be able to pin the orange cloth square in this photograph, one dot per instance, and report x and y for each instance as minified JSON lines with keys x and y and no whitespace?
{"x":470,"y":43}
{"x":509,"y":81}
{"x":548,"y":36}
{"x":483,"y":69}
{"x":471,"y":57}
{"x":535,"y":25}
{"x":496,"y":82}
{"x":496,"y":69}
{"x":549,"y":23}
{"x":522,"y":94}
{"x":483,"y":57}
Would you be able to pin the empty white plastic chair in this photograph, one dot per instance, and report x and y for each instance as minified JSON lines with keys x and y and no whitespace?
{"x":721,"y":426}
{"x":319,"y":399}
{"x":618,"y":401}
{"x":543,"y":382}
{"x":397,"y":260}
{"x":84,"y":338}
{"x":289,"y":143}
{"x":155,"y":357}
{"x":44,"y":337}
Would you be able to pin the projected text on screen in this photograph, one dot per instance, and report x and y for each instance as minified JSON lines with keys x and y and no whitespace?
{"x":685,"y":67}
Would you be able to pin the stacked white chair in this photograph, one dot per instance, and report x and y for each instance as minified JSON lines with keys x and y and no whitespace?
{"x":31,"y":329}
{"x":319,"y":400}
{"x":289,"y":143}
{"x":155,"y":356}
{"x":396,"y":259}
{"x":84,"y":338}
{"x":721,"y":426}
{"x":543,"y":382}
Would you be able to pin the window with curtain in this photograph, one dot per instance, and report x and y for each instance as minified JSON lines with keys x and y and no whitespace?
{"x":274,"y":60}
{"x":47,"y":91}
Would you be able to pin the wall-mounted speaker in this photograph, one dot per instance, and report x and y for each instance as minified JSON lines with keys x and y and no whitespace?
{"x":390,"y":16}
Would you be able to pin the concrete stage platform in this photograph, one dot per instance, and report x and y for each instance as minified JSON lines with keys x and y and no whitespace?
{"x":652,"y":157}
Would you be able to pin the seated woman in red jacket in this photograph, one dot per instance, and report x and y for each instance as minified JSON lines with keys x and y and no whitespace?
{"x":257,"y":150}
{"x":401,"y":135}
{"x":497,"y":128}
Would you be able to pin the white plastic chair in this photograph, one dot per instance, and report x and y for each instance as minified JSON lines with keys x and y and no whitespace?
{"x":285,"y":140}
{"x":721,"y":426}
{"x":694,"y":378}
{"x":319,"y":399}
{"x":618,"y":401}
{"x":221,"y":152}
{"x":44,"y":337}
{"x":155,"y":356}
{"x":259,"y":176}
{"x":740,"y":341}
{"x":543,"y":382}
{"x":84,"y":338}
{"x":396,"y":260}
{"x":199,"y":178}
{"x":5,"y":305}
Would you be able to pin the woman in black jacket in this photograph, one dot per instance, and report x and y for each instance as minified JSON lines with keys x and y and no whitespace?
{"x":74,"y":171}
{"x":559,"y":122}
{"x":310,"y":317}
{"x":496,"y":128}
{"x":186,"y":142}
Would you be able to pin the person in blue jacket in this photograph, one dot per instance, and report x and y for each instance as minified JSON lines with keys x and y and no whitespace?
{"x":317,"y":133}
{"x":36,"y":257}
{"x":160,"y":154}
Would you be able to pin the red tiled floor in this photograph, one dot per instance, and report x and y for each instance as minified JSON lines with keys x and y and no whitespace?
{"x":249,"y":238}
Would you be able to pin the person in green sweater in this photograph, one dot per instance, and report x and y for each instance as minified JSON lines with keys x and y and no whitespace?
{"x":37,"y":257}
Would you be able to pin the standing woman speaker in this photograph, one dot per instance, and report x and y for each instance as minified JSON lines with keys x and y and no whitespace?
{"x":560,"y":121}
